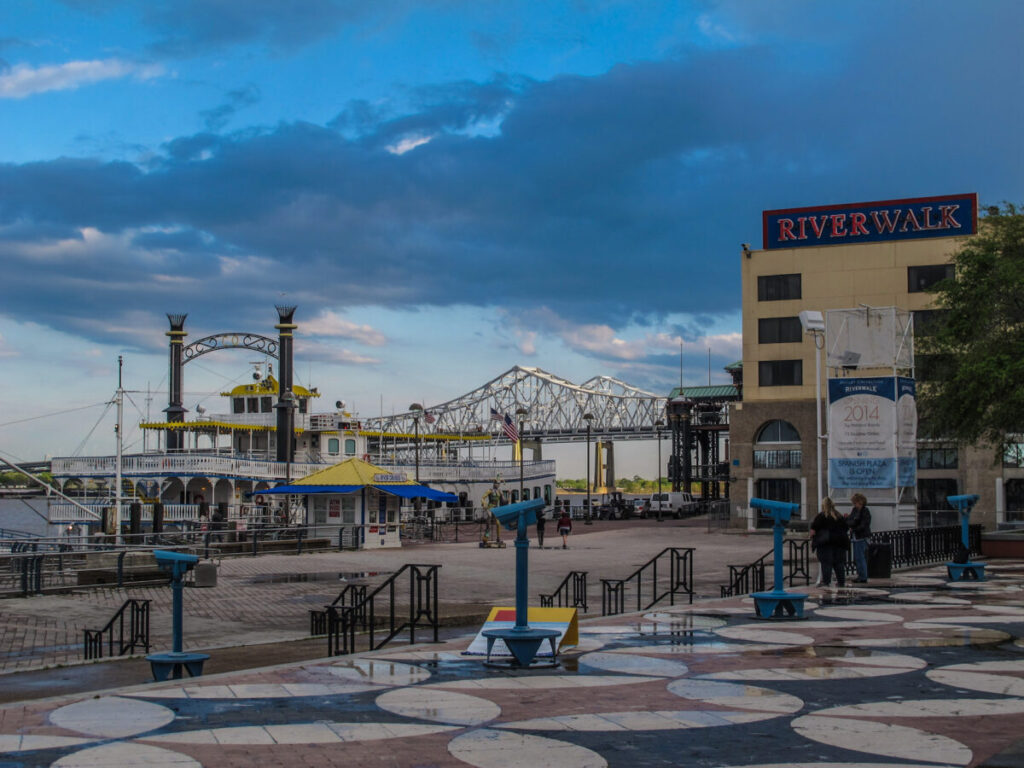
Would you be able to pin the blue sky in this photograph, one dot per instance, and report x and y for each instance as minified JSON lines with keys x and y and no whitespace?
{"x":447,"y":188}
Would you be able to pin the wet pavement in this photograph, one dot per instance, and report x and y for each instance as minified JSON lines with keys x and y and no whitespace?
{"x":912,"y":672}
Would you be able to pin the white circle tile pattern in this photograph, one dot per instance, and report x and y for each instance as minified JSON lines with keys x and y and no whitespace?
{"x":882,"y":739}
{"x":439,"y":706}
{"x":685,"y":621}
{"x":634,"y":665}
{"x":858,"y":614}
{"x":928,"y":708}
{"x":487,"y":748}
{"x":736,"y":696}
{"x":978,"y":681}
{"x":254,"y":691}
{"x":12,"y":742}
{"x":112,"y":717}
{"x":757,"y":633}
{"x":858,"y":764}
{"x":125,"y":754}
{"x":380,"y":672}
{"x":541,"y":682}
{"x":639,"y":721}
{"x":809,"y":674}
{"x":700,"y":648}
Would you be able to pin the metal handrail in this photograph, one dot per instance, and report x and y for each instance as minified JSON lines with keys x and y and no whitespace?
{"x":130,"y":637}
{"x":744,"y":579}
{"x":344,"y":621}
{"x":613,"y":591}
{"x":571,"y":593}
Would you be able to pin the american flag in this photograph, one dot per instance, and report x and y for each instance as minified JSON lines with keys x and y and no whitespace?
{"x":507,"y":425}
{"x":429,"y":417}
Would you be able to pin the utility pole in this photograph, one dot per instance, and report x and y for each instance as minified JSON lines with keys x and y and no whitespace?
{"x":117,"y":431}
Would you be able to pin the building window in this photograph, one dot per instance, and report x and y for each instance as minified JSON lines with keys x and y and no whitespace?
{"x":937,"y":458}
{"x":920,"y":279}
{"x":780,"y":373}
{"x":778,"y":287}
{"x":238,"y":405}
{"x":778,"y":459}
{"x":350,"y":447}
{"x":348,"y":509}
{"x":266,"y":405}
{"x":547,"y":495}
{"x":333,"y":446}
{"x":1014,"y":494}
{"x":1013,"y":454}
{"x":932,"y":493}
{"x":254,"y":404}
{"x":778,"y":330}
{"x":777,"y":431}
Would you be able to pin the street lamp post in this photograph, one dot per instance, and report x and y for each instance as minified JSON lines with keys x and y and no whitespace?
{"x":521,"y":413}
{"x":588,"y":418}
{"x":657,"y":426}
{"x":813,"y":323}
{"x":416,"y":410}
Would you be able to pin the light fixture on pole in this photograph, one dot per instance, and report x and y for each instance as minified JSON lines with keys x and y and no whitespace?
{"x":521,"y":413}
{"x":587,"y":417}
{"x":657,"y":427}
{"x":416,"y":409}
{"x":813,"y":323}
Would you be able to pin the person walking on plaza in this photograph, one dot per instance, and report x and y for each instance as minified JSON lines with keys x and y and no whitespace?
{"x":540,"y":528}
{"x":831,"y":541}
{"x":859,"y":521}
{"x":564,"y":527}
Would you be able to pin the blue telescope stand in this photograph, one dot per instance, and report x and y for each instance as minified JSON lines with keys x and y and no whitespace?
{"x":521,"y":640}
{"x":965,"y":571}
{"x":164,"y":665}
{"x":778,"y":604}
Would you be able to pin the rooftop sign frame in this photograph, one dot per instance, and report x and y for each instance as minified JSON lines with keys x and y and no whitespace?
{"x":871,"y":222}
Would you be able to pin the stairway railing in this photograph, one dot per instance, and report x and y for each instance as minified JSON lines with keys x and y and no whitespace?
{"x":646,"y":580}
{"x":123,"y":634}
{"x":571,"y":593}
{"x":343,"y":622}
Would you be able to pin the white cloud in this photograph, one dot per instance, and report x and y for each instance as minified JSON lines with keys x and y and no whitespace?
{"x":408,"y":144}
{"x":5,"y":349}
{"x":324,"y":352}
{"x":23,"y":80}
{"x":601,"y":340}
{"x":331,"y":324}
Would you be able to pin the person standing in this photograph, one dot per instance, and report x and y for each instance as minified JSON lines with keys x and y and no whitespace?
{"x":564,"y":527}
{"x":831,"y":542}
{"x":540,"y":528}
{"x":859,"y":522}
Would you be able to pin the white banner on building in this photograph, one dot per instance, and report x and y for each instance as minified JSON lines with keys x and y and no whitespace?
{"x":906,"y":431}
{"x":863,"y":425}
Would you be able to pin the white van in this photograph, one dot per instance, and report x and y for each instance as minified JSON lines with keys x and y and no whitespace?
{"x":674,"y":503}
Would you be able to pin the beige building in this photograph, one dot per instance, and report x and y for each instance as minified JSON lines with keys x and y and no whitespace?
{"x":772,"y":430}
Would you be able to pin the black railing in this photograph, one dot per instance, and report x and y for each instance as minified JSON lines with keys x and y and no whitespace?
{"x":744,"y":579}
{"x":122,"y":634}
{"x":648,"y":585}
{"x":353,"y":597}
{"x":571,"y":593}
{"x":343,"y":622}
{"x":922,"y":546}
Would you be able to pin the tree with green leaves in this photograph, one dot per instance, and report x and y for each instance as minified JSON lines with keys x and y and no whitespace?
{"x":974,"y":351}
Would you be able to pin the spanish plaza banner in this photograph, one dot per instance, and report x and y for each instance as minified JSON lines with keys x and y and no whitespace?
{"x":909,"y":219}
{"x":862,"y":432}
{"x":906,"y":430}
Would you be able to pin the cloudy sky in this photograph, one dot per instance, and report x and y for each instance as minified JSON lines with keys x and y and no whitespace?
{"x":447,"y":188}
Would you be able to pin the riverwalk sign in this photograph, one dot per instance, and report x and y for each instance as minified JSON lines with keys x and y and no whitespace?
{"x":909,"y":219}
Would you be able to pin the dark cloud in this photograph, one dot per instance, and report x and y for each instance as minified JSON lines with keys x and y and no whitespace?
{"x":216,"y":118}
{"x":606,"y":198}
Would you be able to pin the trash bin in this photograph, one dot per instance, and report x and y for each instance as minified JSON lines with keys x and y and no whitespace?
{"x":205,"y":575}
{"x":879,"y":561}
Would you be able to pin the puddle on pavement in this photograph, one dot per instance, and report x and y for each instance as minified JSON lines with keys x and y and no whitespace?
{"x":293,"y":578}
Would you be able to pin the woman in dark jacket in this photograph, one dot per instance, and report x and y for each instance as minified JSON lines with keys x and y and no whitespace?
{"x":831,"y":541}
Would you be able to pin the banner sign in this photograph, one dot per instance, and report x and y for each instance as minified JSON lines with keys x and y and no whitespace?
{"x":910,"y":219}
{"x":872,"y":441}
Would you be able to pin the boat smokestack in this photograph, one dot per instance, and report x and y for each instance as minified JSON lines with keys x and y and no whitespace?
{"x":285,"y":397}
{"x":175,"y":411}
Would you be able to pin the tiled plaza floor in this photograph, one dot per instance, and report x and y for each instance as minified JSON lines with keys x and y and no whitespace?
{"x":919,"y":673}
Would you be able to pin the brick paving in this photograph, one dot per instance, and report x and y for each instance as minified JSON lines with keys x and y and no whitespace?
{"x":246,"y":608}
{"x":907,"y":672}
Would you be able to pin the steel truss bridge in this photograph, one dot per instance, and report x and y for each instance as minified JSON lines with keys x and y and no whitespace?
{"x":555,"y":409}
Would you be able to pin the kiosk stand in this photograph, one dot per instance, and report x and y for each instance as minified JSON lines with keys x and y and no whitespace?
{"x":164,"y":665}
{"x":778,"y":604}
{"x":965,"y":571}
{"x":522,"y":640}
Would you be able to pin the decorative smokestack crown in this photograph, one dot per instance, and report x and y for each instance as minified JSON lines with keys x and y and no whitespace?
{"x":177,"y":321}
{"x":285,"y":313}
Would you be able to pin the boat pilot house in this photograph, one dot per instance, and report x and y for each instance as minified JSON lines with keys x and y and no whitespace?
{"x":359,"y":495}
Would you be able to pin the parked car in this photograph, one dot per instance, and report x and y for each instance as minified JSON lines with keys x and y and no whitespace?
{"x":675,"y":503}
